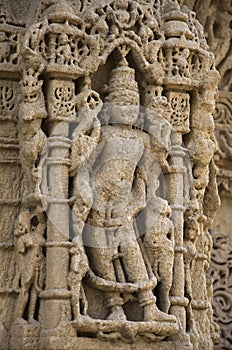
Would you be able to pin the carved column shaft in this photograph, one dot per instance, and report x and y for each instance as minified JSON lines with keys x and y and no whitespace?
{"x":175,"y":194}
{"x":57,"y":165}
{"x":10,"y":189}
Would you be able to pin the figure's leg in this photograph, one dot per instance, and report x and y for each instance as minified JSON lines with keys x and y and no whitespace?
{"x":135,"y":268}
{"x":22,"y":300}
{"x":102,"y":265}
{"x":75,"y":301}
{"x":32,"y":304}
{"x":83,"y":302}
{"x":100,"y":255}
{"x":165,"y":272}
{"x":131,"y":256}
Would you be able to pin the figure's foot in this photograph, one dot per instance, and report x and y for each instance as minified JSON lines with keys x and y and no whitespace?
{"x":82,"y":317}
{"x":20,"y":321}
{"x":152,"y":313}
{"x":117,"y":314}
{"x":33,"y":321}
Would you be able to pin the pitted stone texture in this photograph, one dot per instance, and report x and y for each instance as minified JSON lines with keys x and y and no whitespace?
{"x":216,"y":21}
{"x":114,"y":148}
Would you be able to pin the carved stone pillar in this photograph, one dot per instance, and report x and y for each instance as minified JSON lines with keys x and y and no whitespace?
{"x":176,"y":198}
{"x":10,"y":193}
{"x":10,"y":178}
{"x":56,"y":167}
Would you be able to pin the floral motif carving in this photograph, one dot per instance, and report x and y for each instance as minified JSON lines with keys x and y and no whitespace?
{"x":221,"y":274}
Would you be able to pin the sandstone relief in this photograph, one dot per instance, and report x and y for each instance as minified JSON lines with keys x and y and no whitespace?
{"x":216,"y":18}
{"x":107,"y":146}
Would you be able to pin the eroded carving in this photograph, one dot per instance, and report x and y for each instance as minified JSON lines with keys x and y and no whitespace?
{"x":78,"y":269}
{"x":116,"y":141}
{"x":30,"y":269}
{"x":216,"y":23}
{"x":220,"y":272}
{"x":159,"y":246}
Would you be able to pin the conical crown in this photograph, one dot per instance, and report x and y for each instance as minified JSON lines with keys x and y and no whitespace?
{"x":123,"y":87}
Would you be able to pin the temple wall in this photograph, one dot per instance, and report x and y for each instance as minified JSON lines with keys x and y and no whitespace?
{"x":108,"y":163}
{"x":216,"y":18}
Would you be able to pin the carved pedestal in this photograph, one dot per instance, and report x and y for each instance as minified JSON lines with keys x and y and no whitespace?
{"x":25,"y":336}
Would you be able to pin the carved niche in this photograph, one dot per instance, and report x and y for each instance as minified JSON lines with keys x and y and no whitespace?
{"x":115,"y":139}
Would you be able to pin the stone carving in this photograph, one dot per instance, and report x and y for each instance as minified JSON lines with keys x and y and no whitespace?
{"x":7,"y":99}
{"x":116,"y":145}
{"x":220,"y":271}
{"x":30,"y":272}
{"x":223,"y":124}
{"x":10,"y":36}
{"x":159,"y":245}
{"x":78,"y":269}
{"x":8,"y":45}
{"x":121,"y":153}
{"x":216,"y":21}
{"x":86,"y":136}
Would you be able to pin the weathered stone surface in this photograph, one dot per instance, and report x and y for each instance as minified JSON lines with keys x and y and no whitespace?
{"x":216,"y":18}
{"x":107,"y":176}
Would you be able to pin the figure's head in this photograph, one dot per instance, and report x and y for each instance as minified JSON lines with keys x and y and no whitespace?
{"x":63,"y":39}
{"x":121,"y":4}
{"x":75,"y":262}
{"x":2,"y":37}
{"x":191,"y":229}
{"x":23,"y":223}
{"x":120,"y":113}
{"x":186,"y":53}
{"x":122,"y":102}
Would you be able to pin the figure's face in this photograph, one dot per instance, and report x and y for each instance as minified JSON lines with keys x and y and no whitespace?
{"x":121,"y":4}
{"x":21,"y":228}
{"x":2,"y":37}
{"x":124,"y":114}
{"x":63,"y":39}
{"x":186,"y":53}
{"x":75,"y":263}
{"x":192,"y":232}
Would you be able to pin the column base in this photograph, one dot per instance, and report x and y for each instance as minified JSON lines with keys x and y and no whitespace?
{"x":62,"y":337}
{"x":4,"y":337}
{"x":81,"y":343}
{"x":67,"y":337}
{"x":25,"y":336}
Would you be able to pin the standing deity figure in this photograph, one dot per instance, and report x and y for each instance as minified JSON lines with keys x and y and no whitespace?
{"x":32,"y":111}
{"x":4,"y":47}
{"x":33,"y":144}
{"x":64,"y":52}
{"x":191,"y":234}
{"x":180,"y":63}
{"x":157,"y":137}
{"x":30,"y":271}
{"x":78,"y":268}
{"x":159,"y":245}
{"x":85,"y":136}
{"x":110,"y":234}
